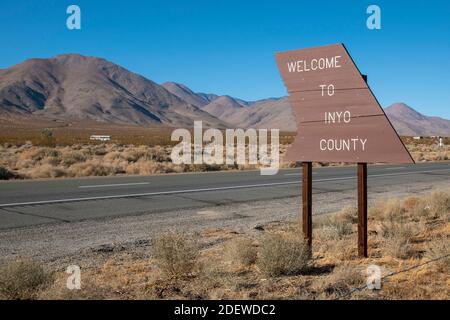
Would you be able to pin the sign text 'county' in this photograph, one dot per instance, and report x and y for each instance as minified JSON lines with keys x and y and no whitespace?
{"x":338,"y":118}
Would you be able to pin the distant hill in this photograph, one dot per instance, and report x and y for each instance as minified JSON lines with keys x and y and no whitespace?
{"x":186,"y":94}
{"x":75,"y":87}
{"x":409,"y":122}
{"x":266,"y":113}
{"x":276,"y":113}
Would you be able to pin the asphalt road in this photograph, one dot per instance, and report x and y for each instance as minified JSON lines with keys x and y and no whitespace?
{"x":28,"y":203}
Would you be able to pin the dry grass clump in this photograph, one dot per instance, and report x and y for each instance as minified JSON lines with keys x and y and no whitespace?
{"x":398,"y":247}
{"x":438,"y":248}
{"x":70,"y":157}
{"x":241,"y":252}
{"x":282,"y":255}
{"x":90,"y":290}
{"x":429,"y":151}
{"x":342,"y":281}
{"x":336,"y":226}
{"x":397,"y":235}
{"x":403,"y":222}
{"x":22,"y":279}
{"x":175,"y":253}
{"x":435,"y":206}
{"x":393,"y":210}
{"x":143,"y":167}
{"x":94,"y":168}
{"x":349,"y":214}
{"x":439,"y":204}
{"x":46,"y":171}
{"x":29,"y":161}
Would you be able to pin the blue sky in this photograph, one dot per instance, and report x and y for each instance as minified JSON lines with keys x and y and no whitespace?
{"x":227,"y":47}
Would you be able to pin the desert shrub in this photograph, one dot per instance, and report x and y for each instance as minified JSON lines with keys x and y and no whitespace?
{"x":46,"y":138}
{"x":71,"y":157}
{"x":411,"y":202}
{"x":343,"y":249}
{"x":53,"y":161}
{"x":334,"y":231}
{"x":343,"y":280}
{"x":439,"y":204}
{"x":34,"y":156}
{"x":93,"y":168}
{"x":393,"y":210}
{"x":135,"y":154}
{"x":397,"y":237}
{"x":175,"y":253}
{"x":22,"y":279}
{"x":438,"y":248}
{"x":90,"y":290}
{"x":99,"y":150}
{"x":341,"y":227}
{"x":241,"y":251}
{"x":6,"y":174}
{"x":398,"y":247}
{"x":348,"y":214}
{"x":391,"y":228}
{"x":160,"y":154}
{"x":280,"y":255}
{"x":420,"y":209}
{"x":334,"y":226}
{"x":45,"y":171}
{"x":145,"y":167}
{"x":111,"y":156}
{"x":376,"y":210}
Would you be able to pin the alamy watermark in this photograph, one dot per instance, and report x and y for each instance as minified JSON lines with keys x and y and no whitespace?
{"x":73,"y":21}
{"x":241,"y":147}
{"x":74,"y":279}
{"x":373,"y":22}
{"x":373,"y":280}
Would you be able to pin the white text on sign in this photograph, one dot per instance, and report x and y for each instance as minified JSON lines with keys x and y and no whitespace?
{"x":351,"y":144}
{"x":338,"y":117}
{"x":314,"y":64}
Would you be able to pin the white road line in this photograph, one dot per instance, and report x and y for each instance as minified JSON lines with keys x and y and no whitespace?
{"x":297,"y":174}
{"x":114,"y":185}
{"x":203,"y":189}
{"x":146,"y":194}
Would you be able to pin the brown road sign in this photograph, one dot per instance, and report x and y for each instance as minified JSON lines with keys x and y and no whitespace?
{"x":338,"y":117}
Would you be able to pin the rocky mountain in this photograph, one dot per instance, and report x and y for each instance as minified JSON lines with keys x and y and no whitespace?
{"x":409,"y":122}
{"x":266,"y":113}
{"x":187,"y":94}
{"x":77,"y":87}
{"x":200,"y":99}
{"x":223,"y":107}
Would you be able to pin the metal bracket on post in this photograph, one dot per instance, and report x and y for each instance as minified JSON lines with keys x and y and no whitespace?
{"x":362,"y":210}
{"x":307,"y":201}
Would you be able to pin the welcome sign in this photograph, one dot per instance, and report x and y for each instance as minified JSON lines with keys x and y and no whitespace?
{"x":338,"y":117}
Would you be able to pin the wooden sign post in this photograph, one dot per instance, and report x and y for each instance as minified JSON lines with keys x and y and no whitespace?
{"x":362,"y":210}
{"x":338,"y":120}
{"x":307,"y":201}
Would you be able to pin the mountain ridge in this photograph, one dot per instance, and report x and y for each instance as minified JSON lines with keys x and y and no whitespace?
{"x":89,"y":88}
{"x":73,"y":86}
